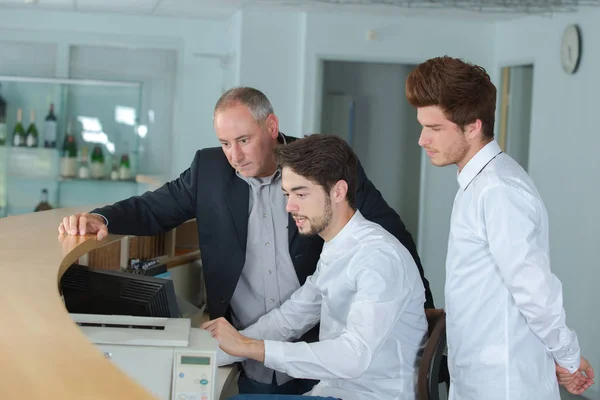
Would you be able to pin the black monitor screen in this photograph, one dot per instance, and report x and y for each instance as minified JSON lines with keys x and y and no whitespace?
{"x":95,"y":291}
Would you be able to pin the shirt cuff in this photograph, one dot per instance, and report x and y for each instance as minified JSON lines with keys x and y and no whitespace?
{"x":103,"y":217}
{"x":568,"y":355}
{"x":226,"y":359}
{"x":274,"y":352}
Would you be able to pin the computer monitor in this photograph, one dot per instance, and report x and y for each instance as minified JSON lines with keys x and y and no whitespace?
{"x":95,"y":291}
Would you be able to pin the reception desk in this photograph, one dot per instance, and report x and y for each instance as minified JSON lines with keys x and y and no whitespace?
{"x":43,"y":353}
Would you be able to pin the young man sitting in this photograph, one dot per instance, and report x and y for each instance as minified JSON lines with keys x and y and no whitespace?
{"x":366,"y":292}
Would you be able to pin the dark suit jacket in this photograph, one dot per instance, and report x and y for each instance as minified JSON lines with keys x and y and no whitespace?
{"x":211,"y":192}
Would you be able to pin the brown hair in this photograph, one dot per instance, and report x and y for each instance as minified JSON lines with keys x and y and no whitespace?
{"x":322,"y":159}
{"x":464,"y":91}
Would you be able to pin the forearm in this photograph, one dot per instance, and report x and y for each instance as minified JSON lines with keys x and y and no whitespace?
{"x":295,"y":317}
{"x":345,"y":357}
{"x":149,"y":214}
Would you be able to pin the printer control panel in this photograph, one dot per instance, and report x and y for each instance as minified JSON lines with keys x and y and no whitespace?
{"x":194,"y":375}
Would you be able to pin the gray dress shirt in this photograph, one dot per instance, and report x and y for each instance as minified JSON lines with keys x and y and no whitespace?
{"x":268,"y":278}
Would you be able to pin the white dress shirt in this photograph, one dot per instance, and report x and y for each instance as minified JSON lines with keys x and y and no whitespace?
{"x":505,"y":317}
{"x":369,"y":297}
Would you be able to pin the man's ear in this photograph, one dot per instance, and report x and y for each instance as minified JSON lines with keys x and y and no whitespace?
{"x":339,"y":191}
{"x":272,"y":125}
{"x":474,"y":129}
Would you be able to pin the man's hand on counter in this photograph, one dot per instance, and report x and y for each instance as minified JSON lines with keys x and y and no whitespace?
{"x":234,"y":343}
{"x":82,"y":224}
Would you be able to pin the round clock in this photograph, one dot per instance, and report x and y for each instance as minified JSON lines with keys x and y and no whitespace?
{"x":570,"y":49}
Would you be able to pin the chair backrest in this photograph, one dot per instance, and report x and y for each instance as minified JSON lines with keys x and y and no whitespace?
{"x":433,"y":368}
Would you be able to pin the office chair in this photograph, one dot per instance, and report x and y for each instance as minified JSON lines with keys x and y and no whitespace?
{"x":434,"y":363}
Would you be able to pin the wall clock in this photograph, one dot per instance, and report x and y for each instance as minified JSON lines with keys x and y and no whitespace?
{"x":570,"y":49}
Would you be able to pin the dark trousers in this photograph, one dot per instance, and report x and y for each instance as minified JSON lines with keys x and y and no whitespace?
{"x":293,"y":387}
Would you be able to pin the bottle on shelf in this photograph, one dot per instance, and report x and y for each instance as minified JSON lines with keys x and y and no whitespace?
{"x":68,"y":161}
{"x":114,"y":173}
{"x":31,"y":137}
{"x":19,"y":131}
{"x":84,"y":168}
{"x":43,"y":205}
{"x":3,"y":128}
{"x":124,"y":167}
{"x":50,"y":126}
{"x":97,"y":165}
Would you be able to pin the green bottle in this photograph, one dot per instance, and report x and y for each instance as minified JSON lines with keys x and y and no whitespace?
{"x":19,"y":131}
{"x":32,"y":137}
{"x":124,"y":168}
{"x":97,"y":164}
{"x":68,"y":161}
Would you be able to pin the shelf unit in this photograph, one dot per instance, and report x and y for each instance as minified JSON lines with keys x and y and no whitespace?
{"x":101,"y":113}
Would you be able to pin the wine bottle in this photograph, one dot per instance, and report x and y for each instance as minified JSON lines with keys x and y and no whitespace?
{"x":124,"y":168}
{"x":19,"y":131}
{"x":84,"y":168}
{"x":3,"y":128}
{"x":97,"y":165}
{"x":43,"y":205}
{"x":31,"y":137}
{"x":50,"y":124}
{"x":114,"y":173}
{"x":68,"y":161}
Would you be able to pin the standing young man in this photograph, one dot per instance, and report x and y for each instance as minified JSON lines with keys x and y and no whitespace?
{"x":366,"y":291}
{"x":505,"y":318}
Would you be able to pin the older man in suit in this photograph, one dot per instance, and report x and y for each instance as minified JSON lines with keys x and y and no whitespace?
{"x":253,"y":258}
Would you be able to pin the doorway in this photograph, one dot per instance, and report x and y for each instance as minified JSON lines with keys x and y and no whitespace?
{"x":515,"y":112}
{"x":365,"y":104}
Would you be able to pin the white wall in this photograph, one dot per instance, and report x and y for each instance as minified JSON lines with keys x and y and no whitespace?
{"x":198,"y":43}
{"x":270,"y":60}
{"x":563,"y":158}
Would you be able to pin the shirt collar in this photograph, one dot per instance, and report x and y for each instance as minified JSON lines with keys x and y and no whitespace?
{"x":478,"y":163}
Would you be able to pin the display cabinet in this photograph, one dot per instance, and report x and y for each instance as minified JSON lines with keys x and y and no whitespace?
{"x":78,"y":139}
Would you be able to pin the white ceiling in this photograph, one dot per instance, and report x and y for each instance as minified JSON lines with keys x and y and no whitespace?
{"x":225,"y":8}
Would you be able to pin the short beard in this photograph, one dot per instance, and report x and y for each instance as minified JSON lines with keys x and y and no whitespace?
{"x":320,"y":223}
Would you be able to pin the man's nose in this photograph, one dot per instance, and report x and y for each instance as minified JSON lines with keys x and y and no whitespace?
{"x":290,"y":206}
{"x":236,"y":153}
{"x":423,"y":140}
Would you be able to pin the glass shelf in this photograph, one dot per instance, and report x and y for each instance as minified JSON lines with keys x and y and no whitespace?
{"x":100,"y":114}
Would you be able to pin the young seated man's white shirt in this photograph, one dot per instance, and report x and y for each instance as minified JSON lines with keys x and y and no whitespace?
{"x":368,"y":296}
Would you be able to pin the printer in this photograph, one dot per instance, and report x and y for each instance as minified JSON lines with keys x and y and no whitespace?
{"x":167,"y":356}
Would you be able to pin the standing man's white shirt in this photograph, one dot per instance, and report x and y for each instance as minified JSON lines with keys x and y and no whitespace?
{"x":505,"y":317}
{"x":369,"y":297}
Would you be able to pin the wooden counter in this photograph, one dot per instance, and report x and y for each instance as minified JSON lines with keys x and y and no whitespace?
{"x":43,"y":354}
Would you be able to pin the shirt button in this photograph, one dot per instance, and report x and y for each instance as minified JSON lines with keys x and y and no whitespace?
{"x":267,"y":244}
{"x":272,"y":300}
{"x":264,"y":215}
{"x":270,"y":271}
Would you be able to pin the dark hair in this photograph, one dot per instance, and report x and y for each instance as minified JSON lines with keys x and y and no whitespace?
{"x":322,"y":159}
{"x":257,"y":102}
{"x":464,"y":91}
